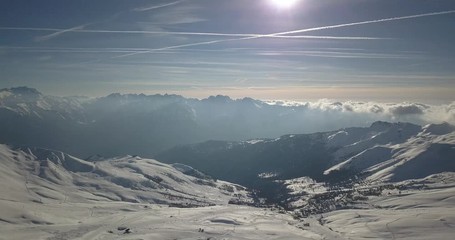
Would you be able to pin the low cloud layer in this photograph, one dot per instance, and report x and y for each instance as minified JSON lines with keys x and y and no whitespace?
{"x":395,"y":112}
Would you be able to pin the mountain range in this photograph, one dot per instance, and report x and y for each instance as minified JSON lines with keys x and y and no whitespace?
{"x":138,"y":124}
{"x":383,"y":152}
{"x":174,"y":129}
{"x":82,"y":168}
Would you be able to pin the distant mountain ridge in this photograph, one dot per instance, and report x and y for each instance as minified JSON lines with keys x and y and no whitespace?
{"x":30,"y":102}
{"x":121,"y":124}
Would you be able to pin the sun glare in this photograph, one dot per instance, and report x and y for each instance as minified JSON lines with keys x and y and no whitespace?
{"x":284,"y":3}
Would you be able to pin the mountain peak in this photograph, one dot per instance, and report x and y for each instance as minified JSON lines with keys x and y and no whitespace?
{"x":22,"y":91}
{"x":380,"y":125}
{"x":439,"y":129}
{"x":17,"y":95}
{"x":219,"y":99}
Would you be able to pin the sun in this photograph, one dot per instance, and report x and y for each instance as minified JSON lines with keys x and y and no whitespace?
{"x":284,"y":3}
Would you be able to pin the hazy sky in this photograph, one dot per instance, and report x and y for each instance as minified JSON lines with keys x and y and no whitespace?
{"x":375,"y":50}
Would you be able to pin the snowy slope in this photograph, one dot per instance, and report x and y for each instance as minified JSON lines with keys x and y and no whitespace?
{"x":430,"y":151}
{"x":51,"y":195}
{"x":422,"y":209}
{"x":354,"y":140}
{"x":49,"y":177}
{"x":412,"y":214}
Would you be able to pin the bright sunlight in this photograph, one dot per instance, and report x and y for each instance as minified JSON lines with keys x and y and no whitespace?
{"x":284,"y":3}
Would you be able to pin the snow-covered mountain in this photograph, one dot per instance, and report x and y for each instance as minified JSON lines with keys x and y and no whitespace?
{"x":430,"y":151}
{"x":48,"y":194}
{"x":51,"y":195}
{"x":29,"y":102}
{"x":383,"y":152}
{"x":50,"y":177}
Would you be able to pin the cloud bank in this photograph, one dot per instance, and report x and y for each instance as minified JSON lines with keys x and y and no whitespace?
{"x":366,"y":111}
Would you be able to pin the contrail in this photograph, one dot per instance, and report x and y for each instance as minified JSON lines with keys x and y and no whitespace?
{"x":327,"y":37}
{"x":178,"y":46}
{"x":142,"y":9}
{"x":297,"y":31}
{"x":32,"y":29}
{"x":58,"y":33}
{"x":241,"y":37}
{"x":80,"y":30}
{"x":209,"y":34}
{"x":365,"y":22}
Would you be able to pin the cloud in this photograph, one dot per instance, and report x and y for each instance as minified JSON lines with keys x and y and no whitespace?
{"x":372,"y":111}
{"x":376,"y":109}
{"x":411,"y":109}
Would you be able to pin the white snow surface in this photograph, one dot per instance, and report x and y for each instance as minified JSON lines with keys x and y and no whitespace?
{"x":354,"y":140}
{"x":51,"y":195}
{"x":52,"y":177}
{"x":389,"y":156}
{"x":427,"y":212}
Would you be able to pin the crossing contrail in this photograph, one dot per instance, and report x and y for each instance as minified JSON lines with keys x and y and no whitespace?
{"x":80,"y":29}
{"x":294,"y":31}
{"x":142,"y":9}
{"x":240,"y":37}
{"x":59,"y":32}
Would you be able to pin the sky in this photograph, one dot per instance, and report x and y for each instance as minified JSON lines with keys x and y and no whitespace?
{"x":365,"y":50}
